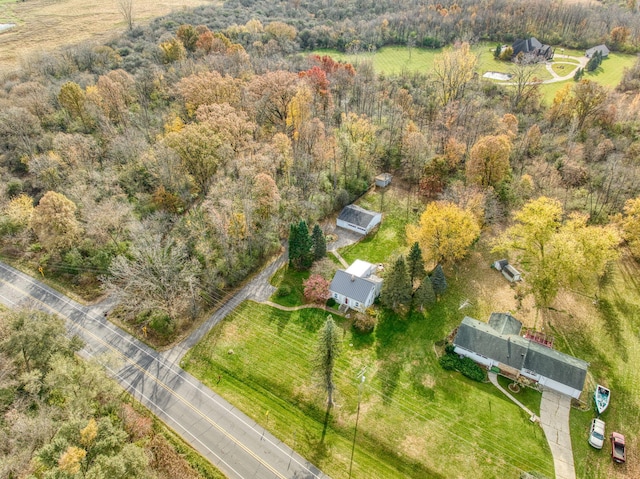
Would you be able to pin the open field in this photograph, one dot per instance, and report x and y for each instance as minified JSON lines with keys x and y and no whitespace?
{"x":416,"y":419}
{"x":394,"y":60}
{"x":43,"y":25}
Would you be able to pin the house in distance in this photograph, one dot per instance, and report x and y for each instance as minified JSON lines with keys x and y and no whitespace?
{"x":356,"y":287}
{"x":532,"y":50}
{"x":357,"y":219}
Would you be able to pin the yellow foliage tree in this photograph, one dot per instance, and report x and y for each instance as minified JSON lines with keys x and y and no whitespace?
{"x":453,"y":70}
{"x":631,"y":225}
{"x":488,"y":162}
{"x":70,"y":460}
{"x":18,"y":211}
{"x":54,"y":222}
{"x":445,"y":232}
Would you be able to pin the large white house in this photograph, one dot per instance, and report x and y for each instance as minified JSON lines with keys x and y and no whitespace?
{"x":498,"y":344}
{"x":356,"y":218}
{"x":356,"y":287}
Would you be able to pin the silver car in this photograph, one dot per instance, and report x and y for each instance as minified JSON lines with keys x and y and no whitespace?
{"x":596,"y":435}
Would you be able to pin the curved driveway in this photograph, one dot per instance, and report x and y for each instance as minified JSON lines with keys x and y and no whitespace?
{"x":236,"y":444}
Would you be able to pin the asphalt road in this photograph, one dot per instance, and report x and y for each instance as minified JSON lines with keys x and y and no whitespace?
{"x":236,"y":444}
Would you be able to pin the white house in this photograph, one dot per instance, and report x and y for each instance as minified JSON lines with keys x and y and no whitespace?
{"x":356,"y":287}
{"x":498,"y":344}
{"x":357,"y":219}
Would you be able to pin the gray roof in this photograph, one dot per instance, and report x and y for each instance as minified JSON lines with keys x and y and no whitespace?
{"x":356,"y":215}
{"x":351,"y":286}
{"x":556,"y":365}
{"x":531,"y":45}
{"x":518,"y":352}
{"x":600,"y":48}
{"x":504,"y":323}
{"x":481,"y":338}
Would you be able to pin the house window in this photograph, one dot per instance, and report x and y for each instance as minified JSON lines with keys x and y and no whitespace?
{"x":335,"y":295}
{"x":357,"y":304}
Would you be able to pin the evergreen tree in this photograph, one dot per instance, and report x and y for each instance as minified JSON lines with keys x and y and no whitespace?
{"x":424,"y":295}
{"x":300,"y":246}
{"x":578,"y":75}
{"x":294,"y":244}
{"x":415,"y":263}
{"x":327,"y":351}
{"x":497,"y":50}
{"x":319,"y":243}
{"x":396,"y":289}
{"x":439,"y":281}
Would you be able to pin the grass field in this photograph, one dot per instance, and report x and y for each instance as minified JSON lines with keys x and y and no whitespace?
{"x":394,"y":60}
{"x":43,"y":25}
{"x":416,"y":419}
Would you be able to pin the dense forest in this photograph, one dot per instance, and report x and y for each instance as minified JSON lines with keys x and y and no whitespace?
{"x":168,"y":164}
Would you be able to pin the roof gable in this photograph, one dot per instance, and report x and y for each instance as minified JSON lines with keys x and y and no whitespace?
{"x":504,"y":323}
{"x":351,"y":286}
{"x":555,"y":365}
{"x":603,"y":49}
{"x":356,"y":215}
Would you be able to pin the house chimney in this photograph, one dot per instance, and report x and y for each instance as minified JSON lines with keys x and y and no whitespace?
{"x":353,"y":278}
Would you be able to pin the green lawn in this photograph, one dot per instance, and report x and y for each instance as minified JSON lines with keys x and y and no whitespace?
{"x":609,"y":339}
{"x":416,"y":420}
{"x":290,"y":279}
{"x":394,"y":60}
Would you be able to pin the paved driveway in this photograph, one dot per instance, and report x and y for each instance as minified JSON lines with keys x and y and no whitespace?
{"x":554,"y":419}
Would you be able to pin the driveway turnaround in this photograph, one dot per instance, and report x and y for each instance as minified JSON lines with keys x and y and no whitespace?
{"x":554,"y":419}
{"x":236,"y":444}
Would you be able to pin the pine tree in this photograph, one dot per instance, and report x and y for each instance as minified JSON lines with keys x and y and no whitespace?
{"x":327,"y":351}
{"x":396,"y":289}
{"x":319,"y":243}
{"x":415,"y":263}
{"x":306,"y":246}
{"x":424,"y":295}
{"x":497,"y":51}
{"x":439,"y":281}
{"x":294,"y":244}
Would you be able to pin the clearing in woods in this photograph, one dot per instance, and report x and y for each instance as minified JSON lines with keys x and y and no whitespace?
{"x":43,"y":25}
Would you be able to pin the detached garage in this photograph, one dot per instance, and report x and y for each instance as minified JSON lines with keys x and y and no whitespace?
{"x":358,"y":219}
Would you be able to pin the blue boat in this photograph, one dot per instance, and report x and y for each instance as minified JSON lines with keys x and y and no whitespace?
{"x":601,"y":397}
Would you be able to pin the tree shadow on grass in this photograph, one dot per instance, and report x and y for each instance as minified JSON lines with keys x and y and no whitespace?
{"x":613,"y":325}
{"x":389,"y":376}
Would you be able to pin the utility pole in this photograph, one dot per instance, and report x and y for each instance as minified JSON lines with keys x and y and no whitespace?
{"x":355,"y":431}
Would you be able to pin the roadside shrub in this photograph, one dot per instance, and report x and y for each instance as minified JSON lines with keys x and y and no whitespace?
{"x":364,"y":323}
{"x":331,"y":302}
{"x":466,"y":366}
{"x":283,"y":290}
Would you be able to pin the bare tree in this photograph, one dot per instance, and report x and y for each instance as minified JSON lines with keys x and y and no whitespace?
{"x":126,"y":9}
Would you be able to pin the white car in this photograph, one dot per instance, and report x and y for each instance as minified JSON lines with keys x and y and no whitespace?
{"x":596,"y":435}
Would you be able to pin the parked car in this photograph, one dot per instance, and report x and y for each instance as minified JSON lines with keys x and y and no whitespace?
{"x":617,"y":448}
{"x":596,"y":434}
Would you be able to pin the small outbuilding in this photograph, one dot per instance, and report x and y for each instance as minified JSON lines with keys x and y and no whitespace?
{"x":383,"y":179}
{"x":508,"y":271}
{"x":602,"y":49}
{"x":357,"y":219}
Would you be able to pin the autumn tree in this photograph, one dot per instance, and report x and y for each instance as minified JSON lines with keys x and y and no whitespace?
{"x":524,"y":91}
{"x":444,"y":232}
{"x":73,"y":99}
{"x":316,"y":289}
{"x":488,"y":163}
{"x":33,"y":337}
{"x":328,"y":349}
{"x":54,"y":222}
{"x":200,"y":150}
{"x":188,"y":35}
{"x":156,"y":275}
{"x":207,"y":88}
{"x":396,"y":288}
{"x":172,"y":50}
{"x":452,"y":71}
{"x":587,"y":101}
{"x":554,"y":253}
{"x":631,"y":225}
{"x":269,"y":95}
{"x":17,"y":213}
